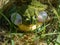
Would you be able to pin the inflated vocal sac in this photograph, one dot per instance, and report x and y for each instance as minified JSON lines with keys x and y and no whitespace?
{"x":16,"y":18}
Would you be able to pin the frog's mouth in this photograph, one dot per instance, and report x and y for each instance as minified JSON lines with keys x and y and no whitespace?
{"x":30,"y":27}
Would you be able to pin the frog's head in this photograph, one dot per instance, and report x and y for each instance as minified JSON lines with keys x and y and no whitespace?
{"x":16,"y":18}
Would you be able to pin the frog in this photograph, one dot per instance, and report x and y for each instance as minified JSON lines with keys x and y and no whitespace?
{"x":28,"y":16}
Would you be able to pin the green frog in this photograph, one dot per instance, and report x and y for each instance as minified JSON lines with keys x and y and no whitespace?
{"x":32,"y":15}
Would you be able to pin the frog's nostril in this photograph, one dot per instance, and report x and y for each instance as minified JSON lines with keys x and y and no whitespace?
{"x":16,"y":18}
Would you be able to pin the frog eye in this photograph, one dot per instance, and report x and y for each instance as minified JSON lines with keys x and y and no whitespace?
{"x":16,"y":18}
{"x":42,"y":16}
